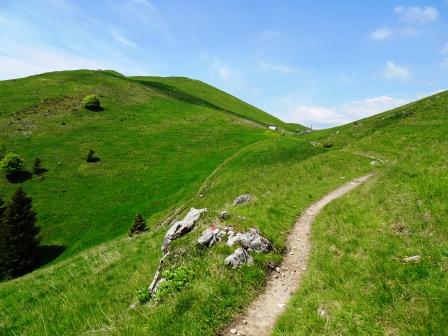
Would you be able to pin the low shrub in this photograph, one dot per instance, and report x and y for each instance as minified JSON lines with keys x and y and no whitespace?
{"x":12,"y":165}
{"x":92,"y":102}
{"x":176,"y":279}
{"x":143,"y":295}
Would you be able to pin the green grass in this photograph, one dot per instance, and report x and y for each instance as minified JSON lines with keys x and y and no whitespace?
{"x":356,"y":271}
{"x":91,"y":292}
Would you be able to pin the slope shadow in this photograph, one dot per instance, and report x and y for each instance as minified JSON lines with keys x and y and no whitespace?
{"x":180,"y":95}
{"x":46,"y":254}
{"x":19,"y":177}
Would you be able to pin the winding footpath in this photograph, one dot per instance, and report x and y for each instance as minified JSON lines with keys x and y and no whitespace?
{"x":262,"y":314}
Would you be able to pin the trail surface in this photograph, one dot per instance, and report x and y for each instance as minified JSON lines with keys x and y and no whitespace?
{"x":261,"y":315}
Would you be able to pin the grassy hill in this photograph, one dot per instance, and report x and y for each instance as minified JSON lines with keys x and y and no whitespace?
{"x":158,"y":140}
{"x":155,"y":146}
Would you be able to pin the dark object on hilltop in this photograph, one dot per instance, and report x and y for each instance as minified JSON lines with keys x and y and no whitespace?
{"x":139,"y":225}
{"x":37,"y":167}
{"x":19,"y":239}
{"x":91,"y":157}
{"x":327,"y":144}
{"x":92,"y":103}
{"x":13,"y":168}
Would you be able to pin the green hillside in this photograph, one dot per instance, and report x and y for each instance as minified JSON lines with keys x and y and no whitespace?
{"x":155,"y":147}
{"x":159,"y":139}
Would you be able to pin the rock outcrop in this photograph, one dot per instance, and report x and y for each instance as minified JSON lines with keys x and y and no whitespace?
{"x":250,"y":240}
{"x":238,"y":258}
{"x":212,"y":235}
{"x":182,"y":227}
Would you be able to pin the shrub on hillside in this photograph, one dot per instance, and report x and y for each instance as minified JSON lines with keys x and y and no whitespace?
{"x":139,"y":225}
{"x":91,"y":156}
{"x":92,"y":102}
{"x":37,"y":167}
{"x":176,"y":279}
{"x":11,"y":166}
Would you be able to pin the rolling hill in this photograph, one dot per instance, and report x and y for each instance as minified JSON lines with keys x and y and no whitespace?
{"x":158,"y":140}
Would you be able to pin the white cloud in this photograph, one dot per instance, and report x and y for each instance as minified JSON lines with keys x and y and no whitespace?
{"x":380,"y":34}
{"x":328,"y":116}
{"x":396,"y":71}
{"x":417,"y":14}
{"x":313,"y":115}
{"x":278,"y":68}
{"x":370,"y":106}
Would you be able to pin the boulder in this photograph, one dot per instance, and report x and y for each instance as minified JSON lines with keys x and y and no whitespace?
{"x":413,"y":259}
{"x":242,"y":199}
{"x":238,"y":258}
{"x":250,"y":240}
{"x":211,"y":236}
{"x":182,"y":227}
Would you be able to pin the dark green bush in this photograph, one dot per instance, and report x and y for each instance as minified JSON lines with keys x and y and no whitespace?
{"x":12,"y":165}
{"x":91,"y":156}
{"x":139,"y":225}
{"x":92,"y":102}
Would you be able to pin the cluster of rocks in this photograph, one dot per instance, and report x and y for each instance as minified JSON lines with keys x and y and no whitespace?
{"x":248,"y":241}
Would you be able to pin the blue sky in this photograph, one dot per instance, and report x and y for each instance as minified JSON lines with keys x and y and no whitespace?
{"x":319,"y":63}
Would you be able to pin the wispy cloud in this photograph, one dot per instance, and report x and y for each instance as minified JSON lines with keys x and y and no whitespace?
{"x":33,"y":61}
{"x":144,"y":14}
{"x":380,"y":34}
{"x":277,"y":68}
{"x":396,"y":71}
{"x":122,"y":38}
{"x":417,"y":14}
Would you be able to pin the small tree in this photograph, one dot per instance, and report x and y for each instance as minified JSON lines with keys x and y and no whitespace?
{"x":37,"y":167}
{"x":92,"y":102}
{"x":19,"y":236}
{"x":139,"y":225}
{"x":91,"y":156}
{"x":12,"y":165}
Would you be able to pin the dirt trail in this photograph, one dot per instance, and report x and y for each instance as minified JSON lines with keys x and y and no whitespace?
{"x":261,"y":315}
